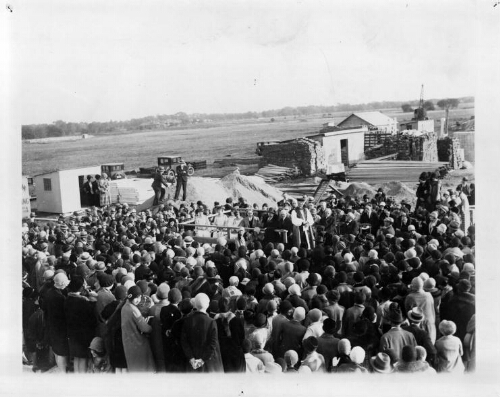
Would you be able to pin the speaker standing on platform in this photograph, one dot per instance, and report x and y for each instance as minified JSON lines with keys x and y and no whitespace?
{"x":182,"y":177}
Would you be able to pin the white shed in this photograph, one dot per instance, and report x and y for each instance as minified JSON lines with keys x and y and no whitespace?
{"x":342,"y":145}
{"x":59,"y":191}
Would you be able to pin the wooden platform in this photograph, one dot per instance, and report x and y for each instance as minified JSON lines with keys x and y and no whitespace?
{"x":379,"y":171}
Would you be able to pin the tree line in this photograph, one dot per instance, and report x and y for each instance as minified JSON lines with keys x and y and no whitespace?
{"x":450,"y":103}
{"x":61,"y":128}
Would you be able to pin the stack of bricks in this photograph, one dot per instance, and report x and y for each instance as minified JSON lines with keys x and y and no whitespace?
{"x":305,"y":154}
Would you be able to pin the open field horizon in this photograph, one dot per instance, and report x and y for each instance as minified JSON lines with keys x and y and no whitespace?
{"x":141,"y":149}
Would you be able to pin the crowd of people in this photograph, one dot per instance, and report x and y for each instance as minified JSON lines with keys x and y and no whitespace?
{"x":349,"y":284}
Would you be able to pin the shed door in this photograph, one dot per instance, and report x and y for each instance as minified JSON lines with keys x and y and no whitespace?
{"x":83,"y":197}
{"x":344,"y":152}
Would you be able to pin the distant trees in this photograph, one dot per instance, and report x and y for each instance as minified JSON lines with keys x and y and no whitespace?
{"x":448,"y":103}
{"x":429,"y":105}
{"x":180,"y":119}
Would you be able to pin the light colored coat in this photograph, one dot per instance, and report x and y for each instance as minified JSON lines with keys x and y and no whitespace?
{"x":135,"y":343}
{"x":424,"y":301}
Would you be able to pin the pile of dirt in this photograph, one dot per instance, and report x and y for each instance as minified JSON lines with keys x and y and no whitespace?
{"x":359,"y":189}
{"x":254,"y":189}
{"x":209,"y":190}
{"x":399,"y":191}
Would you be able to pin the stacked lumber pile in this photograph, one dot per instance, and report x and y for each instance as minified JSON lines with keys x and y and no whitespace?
{"x":131,"y":191}
{"x":373,"y":171}
{"x":304,"y":153}
{"x":274,"y":173}
{"x":415,"y":148}
{"x":449,"y":149}
{"x":309,"y":189}
{"x":233,"y":161}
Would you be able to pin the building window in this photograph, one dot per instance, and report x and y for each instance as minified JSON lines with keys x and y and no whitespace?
{"x":47,"y":184}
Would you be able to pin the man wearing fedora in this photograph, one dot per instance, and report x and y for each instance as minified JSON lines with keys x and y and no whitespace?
{"x":396,"y":338}
{"x":182,"y":177}
{"x":415,"y":317}
{"x":381,"y":364}
{"x":158,"y":181}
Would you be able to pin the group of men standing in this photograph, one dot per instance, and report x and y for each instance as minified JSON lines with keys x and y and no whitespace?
{"x":161,"y":180}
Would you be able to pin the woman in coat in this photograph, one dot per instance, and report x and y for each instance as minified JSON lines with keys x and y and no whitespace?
{"x":56,"y":320}
{"x":199,"y":339}
{"x":449,"y":349}
{"x":104,"y":190}
{"x":80,"y":322}
{"x":424,"y":301}
{"x":134,"y":333}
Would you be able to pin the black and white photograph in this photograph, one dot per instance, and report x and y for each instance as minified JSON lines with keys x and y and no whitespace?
{"x":250,"y":197}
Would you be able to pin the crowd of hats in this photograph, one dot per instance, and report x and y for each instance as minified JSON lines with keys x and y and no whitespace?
{"x":149,"y":254}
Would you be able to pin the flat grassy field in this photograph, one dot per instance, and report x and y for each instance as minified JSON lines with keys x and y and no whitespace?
{"x":141,"y":149}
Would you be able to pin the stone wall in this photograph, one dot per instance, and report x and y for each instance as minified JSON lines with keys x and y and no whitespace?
{"x":305,"y":154}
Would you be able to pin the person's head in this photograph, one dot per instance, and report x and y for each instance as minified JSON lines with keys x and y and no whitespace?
{"x":381,"y":363}
{"x":357,"y":355}
{"x":409,"y":354}
{"x":329,"y":326}
{"x":246,"y":346}
{"x":344,"y":347}
{"x":291,"y":358}
{"x":415,"y":315}
{"x":201,"y":302}
{"x":447,"y":327}
{"x":299,"y":314}
{"x":421,"y":353}
{"x":174,"y":296}
{"x":97,"y":348}
{"x":134,"y":295}
{"x":310,"y":344}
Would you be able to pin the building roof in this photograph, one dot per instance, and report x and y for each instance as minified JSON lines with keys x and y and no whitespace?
{"x":66,"y":169}
{"x":373,"y":118}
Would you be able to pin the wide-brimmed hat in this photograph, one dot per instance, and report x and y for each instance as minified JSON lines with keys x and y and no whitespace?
{"x":381,"y":363}
{"x":415,"y":315}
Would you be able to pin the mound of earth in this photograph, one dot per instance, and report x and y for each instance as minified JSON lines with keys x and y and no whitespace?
{"x":253,"y":188}
{"x":234,"y":185}
{"x":356,"y":189}
{"x":399,"y":191}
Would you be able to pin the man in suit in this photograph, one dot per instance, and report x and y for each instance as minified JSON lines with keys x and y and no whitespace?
{"x":291,"y":333}
{"x":353,"y":314}
{"x":329,"y":221}
{"x":371,"y":217}
{"x":284,"y":222}
{"x":350,"y":226}
{"x":199,"y":340}
{"x":250,"y":220}
{"x":158,"y":181}
{"x":182,"y":177}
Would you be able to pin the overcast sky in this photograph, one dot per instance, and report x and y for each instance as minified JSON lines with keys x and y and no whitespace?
{"x":116,"y":60}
